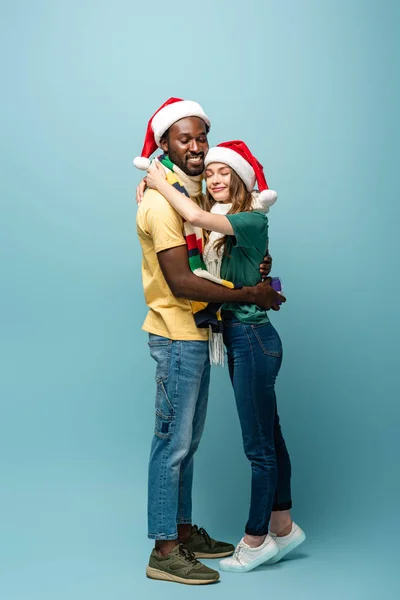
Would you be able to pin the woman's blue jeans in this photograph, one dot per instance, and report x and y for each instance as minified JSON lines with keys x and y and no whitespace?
{"x":254,"y":358}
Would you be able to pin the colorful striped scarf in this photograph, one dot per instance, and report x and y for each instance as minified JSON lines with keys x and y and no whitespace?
{"x":206,"y":314}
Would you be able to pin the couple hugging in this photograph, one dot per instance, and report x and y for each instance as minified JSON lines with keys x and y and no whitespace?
{"x":205,"y":289}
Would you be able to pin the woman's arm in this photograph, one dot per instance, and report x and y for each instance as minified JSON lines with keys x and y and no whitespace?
{"x":183,"y":205}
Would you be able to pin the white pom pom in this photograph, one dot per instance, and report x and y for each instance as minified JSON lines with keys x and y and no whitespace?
{"x":142,"y":163}
{"x":267,"y":198}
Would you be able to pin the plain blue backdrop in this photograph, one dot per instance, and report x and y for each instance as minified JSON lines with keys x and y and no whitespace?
{"x":312,"y":86}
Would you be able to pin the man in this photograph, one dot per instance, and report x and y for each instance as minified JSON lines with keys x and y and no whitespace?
{"x":179,"y":348}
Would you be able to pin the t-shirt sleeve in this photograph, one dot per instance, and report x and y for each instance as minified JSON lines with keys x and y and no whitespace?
{"x":162,"y":222}
{"x":250,"y":229}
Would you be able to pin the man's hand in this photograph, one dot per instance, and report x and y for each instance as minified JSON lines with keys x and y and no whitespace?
{"x":266,"y":297}
{"x":265,"y":270}
{"x":140,"y":190}
{"x":266,"y":266}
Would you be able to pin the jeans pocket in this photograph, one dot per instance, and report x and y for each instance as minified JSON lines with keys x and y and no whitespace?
{"x":160,"y":351}
{"x":268,"y":339}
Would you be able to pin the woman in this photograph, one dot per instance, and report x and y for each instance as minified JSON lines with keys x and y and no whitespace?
{"x":234,"y":249}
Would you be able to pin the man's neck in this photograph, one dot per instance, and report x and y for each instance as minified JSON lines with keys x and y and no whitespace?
{"x":192,"y":183}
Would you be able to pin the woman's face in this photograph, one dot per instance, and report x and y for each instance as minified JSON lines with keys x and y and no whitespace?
{"x":218,"y":179}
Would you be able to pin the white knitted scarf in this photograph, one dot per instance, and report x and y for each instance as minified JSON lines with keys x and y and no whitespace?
{"x":213,"y":261}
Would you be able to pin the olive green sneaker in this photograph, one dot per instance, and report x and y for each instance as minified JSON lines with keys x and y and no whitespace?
{"x":203,"y":546}
{"x":180,"y":566}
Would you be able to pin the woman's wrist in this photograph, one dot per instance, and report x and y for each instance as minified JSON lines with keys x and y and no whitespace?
{"x":162,"y":186}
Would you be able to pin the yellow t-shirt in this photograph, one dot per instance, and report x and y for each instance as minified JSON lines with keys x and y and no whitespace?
{"x":159,"y":228}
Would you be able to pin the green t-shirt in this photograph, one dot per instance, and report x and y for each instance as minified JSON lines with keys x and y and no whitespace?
{"x":244,"y":252}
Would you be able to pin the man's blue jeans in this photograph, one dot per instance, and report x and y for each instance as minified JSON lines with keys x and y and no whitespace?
{"x":254,"y":359}
{"x":183,"y":378}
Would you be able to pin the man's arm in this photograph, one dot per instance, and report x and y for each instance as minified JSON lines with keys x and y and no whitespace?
{"x":184,"y":284}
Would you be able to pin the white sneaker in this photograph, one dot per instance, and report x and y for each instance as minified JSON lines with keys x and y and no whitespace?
{"x":246,"y":558}
{"x":287,"y":543}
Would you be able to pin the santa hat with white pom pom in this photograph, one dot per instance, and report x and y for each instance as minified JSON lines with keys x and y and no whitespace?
{"x":238,"y":156}
{"x":171,"y":111}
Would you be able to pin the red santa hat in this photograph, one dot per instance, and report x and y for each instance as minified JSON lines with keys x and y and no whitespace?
{"x":237,"y":155}
{"x":171,"y":111}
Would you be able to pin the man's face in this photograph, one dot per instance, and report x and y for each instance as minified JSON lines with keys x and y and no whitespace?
{"x":187,"y":145}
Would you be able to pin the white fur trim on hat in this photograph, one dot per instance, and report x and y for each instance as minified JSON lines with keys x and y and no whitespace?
{"x":261,"y":201}
{"x":235,"y":161}
{"x":171,"y":113}
{"x":268,"y":197}
{"x":141,"y":162}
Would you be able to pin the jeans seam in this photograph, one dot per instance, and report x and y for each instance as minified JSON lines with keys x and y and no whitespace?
{"x":276,"y":496}
{"x":166,"y":452}
{"x":162,"y":536}
{"x":282,"y":506}
{"x":184,"y":521}
{"x":181,"y":519}
{"x":276,"y":424}
{"x":178,"y":346}
{"x":162,"y":486}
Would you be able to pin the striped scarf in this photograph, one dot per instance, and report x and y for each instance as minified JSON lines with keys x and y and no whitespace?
{"x":206,"y":314}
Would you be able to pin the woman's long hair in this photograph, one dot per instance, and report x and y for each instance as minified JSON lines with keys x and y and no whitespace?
{"x":241,"y":202}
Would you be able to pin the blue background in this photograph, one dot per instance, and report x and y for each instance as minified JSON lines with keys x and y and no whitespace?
{"x":312,"y":87}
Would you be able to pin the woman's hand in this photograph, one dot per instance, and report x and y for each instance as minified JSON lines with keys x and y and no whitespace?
{"x":155,"y":175}
{"x":140,"y":190}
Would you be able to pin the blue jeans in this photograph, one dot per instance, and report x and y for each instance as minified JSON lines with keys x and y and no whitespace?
{"x":254,"y":359}
{"x":183,"y":378}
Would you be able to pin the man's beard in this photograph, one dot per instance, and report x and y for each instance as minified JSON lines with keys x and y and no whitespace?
{"x":192,"y":171}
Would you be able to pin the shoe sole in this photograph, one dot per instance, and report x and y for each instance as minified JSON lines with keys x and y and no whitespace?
{"x":164,"y":576}
{"x":220,"y":555}
{"x":282,"y":553}
{"x":253,"y":565}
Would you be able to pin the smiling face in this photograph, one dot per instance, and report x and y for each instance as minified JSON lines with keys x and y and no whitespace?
{"x":186,"y":144}
{"x":218,"y":180}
